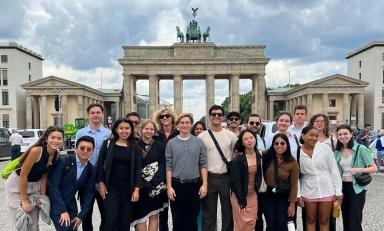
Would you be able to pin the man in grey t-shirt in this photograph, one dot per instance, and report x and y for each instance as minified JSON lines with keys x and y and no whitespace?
{"x":186,"y":165}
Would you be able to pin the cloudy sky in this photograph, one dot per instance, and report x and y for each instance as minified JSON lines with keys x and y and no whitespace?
{"x":81,"y":40}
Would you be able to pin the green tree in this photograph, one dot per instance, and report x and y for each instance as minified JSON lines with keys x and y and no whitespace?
{"x":245,"y":104}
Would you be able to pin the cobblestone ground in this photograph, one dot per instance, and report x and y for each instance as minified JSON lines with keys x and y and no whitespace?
{"x":372,"y":218}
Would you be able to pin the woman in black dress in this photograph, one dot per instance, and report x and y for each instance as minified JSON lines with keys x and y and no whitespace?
{"x":119,"y":175}
{"x":153,"y":195}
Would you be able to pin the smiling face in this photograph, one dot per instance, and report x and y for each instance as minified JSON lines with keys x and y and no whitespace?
{"x":148,"y":131}
{"x":84,"y":150}
{"x":216,"y":117}
{"x":185,"y":125}
{"x":95,"y":115}
{"x":254,"y":123}
{"x":344,"y":136}
{"x":123,"y":130}
{"x":319,"y":123}
{"x":249,"y":140}
{"x":311,"y":137}
{"x":55,"y":140}
{"x":165,"y":119}
{"x":283,"y":123}
{"x":280,"y":146}
{"x":198,"y":129}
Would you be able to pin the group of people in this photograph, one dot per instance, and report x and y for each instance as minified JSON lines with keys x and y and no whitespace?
{"x":136,"y":170}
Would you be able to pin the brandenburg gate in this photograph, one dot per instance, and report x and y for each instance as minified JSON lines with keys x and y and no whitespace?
{"x":194,"y":59}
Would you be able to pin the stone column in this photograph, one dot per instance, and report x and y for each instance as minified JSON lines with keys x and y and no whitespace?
{"x":309,"y":105}
{"x":80,"y":106}
{"x":28,"y":111}
{"x":360,"y":111}
{"x":354,"y":110}
{"x":347,"y":109}
{"x":178,"y":93}
{"x":43,"y":112}
{"x":64,"y":109}
{"x":209,"y":94}
{"x":254,"y":94}
{"x":304,"y":100}
{"x":36,"y":113}
{"x":270,"y":107}
{"x":300,"y":100}
{"x":287,"y":105}
{"x":153,"y":94}
{"x":292,"y":105}
{"x":261,"y":95}
{"x":325,"y":103}
{"x":117,"y":109}
{"x":234,"y":93}
{"x":129,"y":93}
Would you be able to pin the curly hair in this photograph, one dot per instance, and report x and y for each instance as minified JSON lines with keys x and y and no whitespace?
{"x":163,"y":111}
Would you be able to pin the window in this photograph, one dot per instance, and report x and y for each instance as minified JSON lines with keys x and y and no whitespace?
{"x":359,"y":63}
{"x":6,"y":120}
{"x":4,"y":58}
{"x":332,"y":117}
{"x":382,"y":96}
{"x":29,"y":78}
{"x":360,"y":76}
{"x":5,"y":99}
{"x":29,"y":66}
{"x":332,"y":103}
{"x":4,"y":74}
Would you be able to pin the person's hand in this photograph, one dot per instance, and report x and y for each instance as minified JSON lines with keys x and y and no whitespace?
{"x":339,"y":200}
{"x":64,"y":219}
{"x":203,"y":191}
{"x":76,"y":223}
{"x":103,"y":190}
{"x":135,"y":196}
{"x":171,"y":193}
{"x":291,"y":210}
{"x":300,"y":202}
{"x":26,"y":206}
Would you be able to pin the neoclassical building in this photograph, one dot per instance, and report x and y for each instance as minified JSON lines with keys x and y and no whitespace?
{"x":338,"y":96}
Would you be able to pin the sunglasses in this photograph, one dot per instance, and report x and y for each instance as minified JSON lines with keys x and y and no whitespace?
{"x":216,"y":114}
{"x":166,"y":116}
{"x":254,"y":123}
{"x":279,"y":143}
{"x":85,"y":149}
{"x":233,"y":119}
{"x":320,"y":121}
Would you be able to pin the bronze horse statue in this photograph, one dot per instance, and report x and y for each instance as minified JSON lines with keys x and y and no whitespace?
{"x":206,"y":34}
{"x":180,"y":34}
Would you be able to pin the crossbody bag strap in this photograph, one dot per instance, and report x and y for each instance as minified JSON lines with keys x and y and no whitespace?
{"x":357,"y":152}
{"x":218,"y":147}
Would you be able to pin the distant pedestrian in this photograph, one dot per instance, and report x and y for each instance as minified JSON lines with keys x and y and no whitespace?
{"x":31,"y":179}
{"x":198,"y":128}
{"x":135,"y":118}
{"x":380,"y":149}
{"x":234,"y":121}
{"x":16,"y":139}
{"x":353,"y":158}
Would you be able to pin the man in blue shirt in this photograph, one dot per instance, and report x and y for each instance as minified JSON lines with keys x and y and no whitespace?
{"x":99,"y":133}
{"x":70,"y":174}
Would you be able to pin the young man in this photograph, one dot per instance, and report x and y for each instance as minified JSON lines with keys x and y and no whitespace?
{"x":186,"y":165}
{"x":70,"y":174}
{"x":218,"y":178}
{"x":233,"y":120}
{"x":299,"y":117}
{"x":16,"y":139}
{"x":98,"y":132}
{"x":364,"y":135}
{"x":253,"y":122}
{"x":135,"y":118}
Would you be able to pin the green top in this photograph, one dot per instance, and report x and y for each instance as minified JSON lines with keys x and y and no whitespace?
{"x":362,"y":160}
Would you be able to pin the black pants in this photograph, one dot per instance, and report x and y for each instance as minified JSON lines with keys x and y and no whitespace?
{"x":163,"y":220}
{"x":332,"y":221}
{"x":352,"y":208}
{"x":118,"y":209}
{"x":186,"y":206}
{"x":260,"y":223}
{"x":218,"y":185}
{"x":87,"y":222}
{"x":275,"y":210}
{"x":15,"y":151}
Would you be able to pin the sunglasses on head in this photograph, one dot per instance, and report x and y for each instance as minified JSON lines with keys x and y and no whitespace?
{"x":279,"y":143}
{"x":254,"y":123}
{"x":233,"y":119}
{"x":85,"y":149}
{"x":219,"y":114}
{"x":166,"y":116}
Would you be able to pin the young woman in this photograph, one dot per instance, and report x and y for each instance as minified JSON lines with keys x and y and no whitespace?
{"x":245,"y":181}
{"x":281,"y":173}
{"x":31,"y":178}
{"x":352,"y":159}
{"x":321,"y":123}
{"x":119,"y":175}
{"x":320,"y":181}
{"x":198,"y":128}
{"x":283,"y":121}
{"x":153,"y":197}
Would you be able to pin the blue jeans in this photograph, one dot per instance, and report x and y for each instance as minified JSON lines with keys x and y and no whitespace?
{"x":380,"y":156}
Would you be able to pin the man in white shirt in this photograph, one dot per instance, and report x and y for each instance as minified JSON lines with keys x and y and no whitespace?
{"x":16,"y":139}
{"x":218,"y":178}
{"x":253,"y":122}
{"x":299,"y":117}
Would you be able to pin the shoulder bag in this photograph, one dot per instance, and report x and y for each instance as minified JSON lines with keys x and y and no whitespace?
{"x":362,"y":179}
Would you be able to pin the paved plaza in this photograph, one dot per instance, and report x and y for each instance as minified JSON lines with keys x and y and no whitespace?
{"x":372,"y":219}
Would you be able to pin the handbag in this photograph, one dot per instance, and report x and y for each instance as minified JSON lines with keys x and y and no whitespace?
{"x":281,"y":187}
{"x":10,"y":167}
{"x":362,"y":179}
{"x":263,"y":186}
{"x":227,"y":163}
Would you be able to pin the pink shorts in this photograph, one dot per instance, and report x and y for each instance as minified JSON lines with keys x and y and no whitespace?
{"x":323,"y":199}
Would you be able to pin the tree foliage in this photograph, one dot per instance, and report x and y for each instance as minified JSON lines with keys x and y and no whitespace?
{"x":245,"y":104}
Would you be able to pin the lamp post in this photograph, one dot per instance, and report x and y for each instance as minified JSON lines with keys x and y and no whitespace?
{"x":58,"y":119}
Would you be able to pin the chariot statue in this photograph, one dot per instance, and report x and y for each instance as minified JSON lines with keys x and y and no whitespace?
{"x":193,"y":33}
